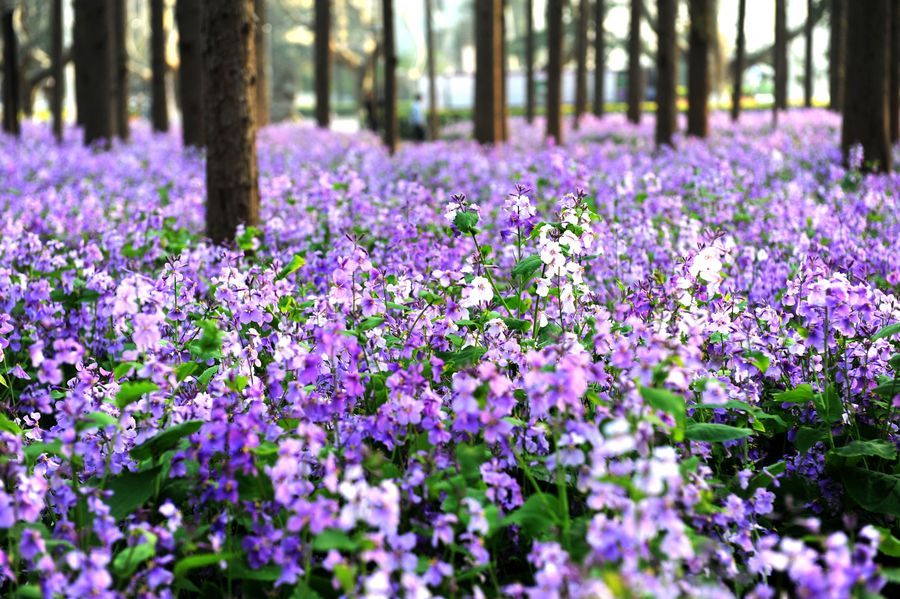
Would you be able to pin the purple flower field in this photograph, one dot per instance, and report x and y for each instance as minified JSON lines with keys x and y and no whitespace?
{"x":584,"y":371}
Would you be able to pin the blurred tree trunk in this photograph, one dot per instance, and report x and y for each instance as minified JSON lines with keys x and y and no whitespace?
{"x":79,"y":54}
{"x":503,"y":69}
{"x":390,"y":76}
{"x":894,"y":89}
{"x":160,"y":113}
{"x":667,"y":67}
{"x":433,"y":122}
{"x":323,"y":62}
{"x":702,"y":27}
{"x":96,"y":66}
{"x":866,"y":120}
{"x":120,"y":19}
{"x":189,"y":16}
{"x":780,"y":58}
{"x":554,"y":69}
{"x":808,"y":57}
{"x":230,"y":90}
{"x":56,"y":60}
{"x":635,"y":75}
{"x":739,"y":63}
{"x":10,"y":72}
{"x":837,"y":53}
{"x":581,"y":50}
{"x":599,"y":56}
{"x":262,"y":64}
{"x":489,"y":109}
{"x":529,"y":62}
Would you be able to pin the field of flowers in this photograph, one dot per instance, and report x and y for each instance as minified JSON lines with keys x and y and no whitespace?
{"x":582,"y":371}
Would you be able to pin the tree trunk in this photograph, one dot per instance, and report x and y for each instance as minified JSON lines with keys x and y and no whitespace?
{"x":808,"y":57}
{"x":635,"y":75}
{"x":230,"y":89}
{"x":866,"y":119}
{"x":503,"y":77}
{"x":780,"y":59}
{"x":10,"y":74}
{"x":554,"y":70}
{"x":262,"y":63}
{"x":79,"y":60}
{"x":894,"y":89}
{"x":489,"y":110}
{"x":599,"y":56}
{"x":837,"y":54}
{"x":160,"y":113}
{"x":189,"y":15}
{"x":56,"y":58}
{"x":667,"y":67}
{"x":323,"y":62}
{"x":433,"y":122}
{"x":581,"y":49}
{"x":739,"y":63}
{"x":529,"y":61}
{"x":120,"y":20}
{"x":698,"y":67}
{"x":390,"y":76}
{"x":94,"y":22}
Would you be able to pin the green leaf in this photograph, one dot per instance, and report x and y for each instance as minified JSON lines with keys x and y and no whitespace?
{"x":711,"y":432}
{"x":892,"y":575}
{"x":874,"y":491}
{"x":334,"y":538}
{"x":182,"y":371}
{"x":889,"y":544}
{"x":517,"y":324}
{"x":206,"y":375}
{"x":29,"y":591}
{"x":131,"y":392}
{"x":873,"y":447}
{"x":124,"y":369}
{"x":806,"y":437}
{"x":535,"y":516}
{"x":888,"y":331}
{"x":128,"y":559}
{"x":828,"y":405}
{"x":470,"y":458}
{"x":462,"y":358}
{"x":527,"y":267}
{"x":888,"y":389}
{"x":131,"y":490}
{"x":296,"y":263}
{"x":666,"y":401}
{"x":370,"y":323}
{"x":9,"y":426}
{"x":758,"y":359}
{"x":165,"y":440}
{"x":466,"y":221}
{"x":549,"y":334}
{"x":799,"y":394}
{"x":202,"y":560}
{"x":95,"y":420}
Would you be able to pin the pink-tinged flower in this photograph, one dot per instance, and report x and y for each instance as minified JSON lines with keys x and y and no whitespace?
{"x":146,"y":334}
{"x":477,"y":293}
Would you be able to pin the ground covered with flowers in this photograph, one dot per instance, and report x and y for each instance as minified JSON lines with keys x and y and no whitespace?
{"x":580,"y":371}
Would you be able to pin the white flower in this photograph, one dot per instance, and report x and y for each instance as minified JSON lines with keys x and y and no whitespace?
{"x":707,"y":265}
{"x":477,"y":292}
{"x":543,"y":287}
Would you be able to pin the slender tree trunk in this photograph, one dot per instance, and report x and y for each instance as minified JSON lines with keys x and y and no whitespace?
{"x":79,"y":60}
{"x":780,"y":59}
{"x":667,"y":67}
{"x":581,"y":49}
{"x":94,"y":22}
{"x":189,"y":15}
{"x":635,"y":74}
{"x":894,"y":89}
{"x":503,"y":72}
{"x":866,"y":120}
{"x":323,"y":62}
{"x":56,"y":58}
{"x":160,"y":112}
{"x":808,"y":57}
{"x":529,"y":61}
{"x":836,"y":54}
{"x":433,"y":122}
{"x":262,"y":63}
{"x":599,"y":56}
{"x":489,"y":108}
{"x":554,"y":70}
{"x":120,"y":18}
{"x":740,"y":59}
{"x":230,"y":89}
{"x":10,"y":73}
{"x":390,"y":76}
{"x":698,"y":67}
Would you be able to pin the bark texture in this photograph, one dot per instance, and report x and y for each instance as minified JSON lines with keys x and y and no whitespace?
{"x":667,"y":67}
{"x":866,"y":119}
{"x":581,"y":50}
{"x":323,"y":62}
{"x":159,"y":110}
{"x":808,"y":72}
{"x":635,"y":74}
{"x":554,"y":69}
{"x":740,"y":60}
{"x":120,"y":22}
{"x":489,"y":107}
{"x":702,"y":25}
{"x":56,"y":60}
{"x":191,"y":72}
{"x":529,"y":61}
{"x":10,"y":73}
{"x":390,"y":76}
{"x":837,"y":53}
{"x":780,"y":57}
{"x":599,"y":57}
{"x":230,"y":90}
{"x":96,"y":66}
{"x":262,"y":63}
{"x":433,"y":122}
